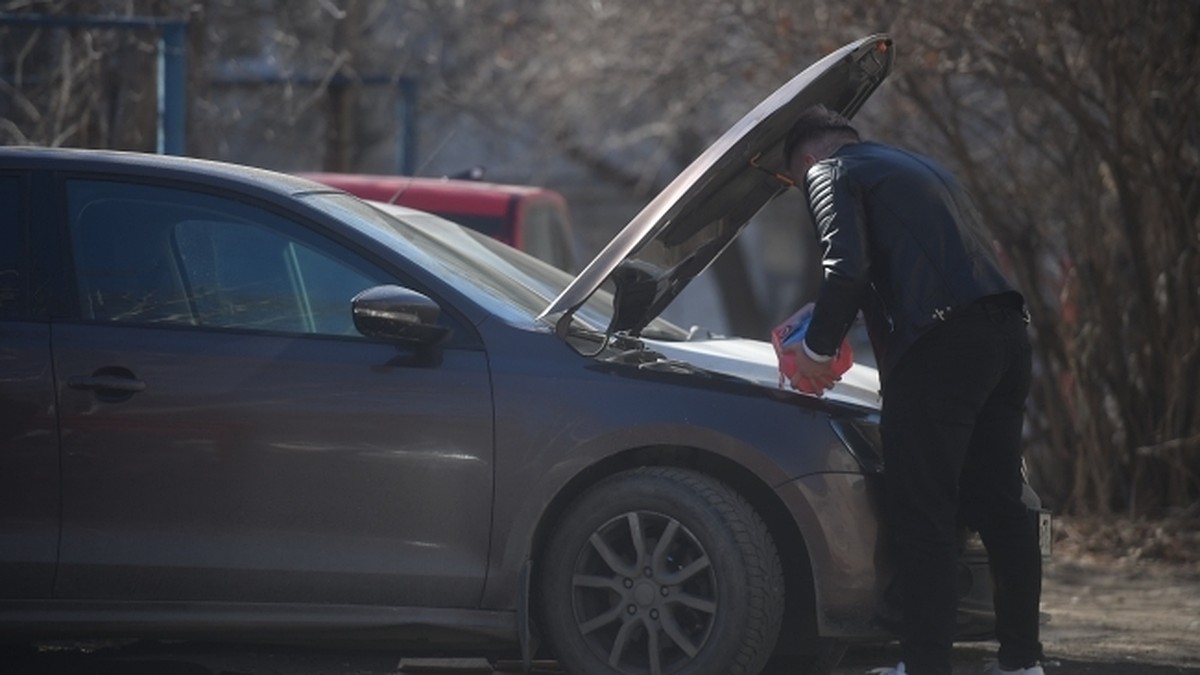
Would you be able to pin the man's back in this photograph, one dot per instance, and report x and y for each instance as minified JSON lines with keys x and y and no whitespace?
{"x":909,"y":229}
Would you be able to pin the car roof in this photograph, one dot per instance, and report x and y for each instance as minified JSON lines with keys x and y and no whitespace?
{"x":161,"y":166}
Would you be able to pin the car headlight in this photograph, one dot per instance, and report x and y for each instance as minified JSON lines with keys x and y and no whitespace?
{"x":861,"y":437}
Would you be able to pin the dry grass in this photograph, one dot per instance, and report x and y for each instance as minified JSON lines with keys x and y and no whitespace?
{"x":1172,"y":543}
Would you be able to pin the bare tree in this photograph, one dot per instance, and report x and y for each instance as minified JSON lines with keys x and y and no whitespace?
{"x":1073,"y":121}
{"x":1076,"y":125}
{"x":63,"y":82}
{"x":634,"y":90}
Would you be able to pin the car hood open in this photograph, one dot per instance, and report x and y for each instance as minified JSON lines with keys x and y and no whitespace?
{"x":683,"y":229}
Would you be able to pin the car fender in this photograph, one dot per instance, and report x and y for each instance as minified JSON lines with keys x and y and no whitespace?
{"x":544,"y":469}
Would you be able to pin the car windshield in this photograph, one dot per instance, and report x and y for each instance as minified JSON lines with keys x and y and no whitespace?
{"x":511,"y":283}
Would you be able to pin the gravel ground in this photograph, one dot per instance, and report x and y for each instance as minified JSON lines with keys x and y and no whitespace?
{"x":1102,"y":618}
{"x":1120,"y":597}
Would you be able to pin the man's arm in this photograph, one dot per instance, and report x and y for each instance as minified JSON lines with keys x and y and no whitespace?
{"x":837,"y":208}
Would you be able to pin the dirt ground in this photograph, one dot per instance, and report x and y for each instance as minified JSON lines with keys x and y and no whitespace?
{"x":1125,"y":594}
{"x":1120,"y":598}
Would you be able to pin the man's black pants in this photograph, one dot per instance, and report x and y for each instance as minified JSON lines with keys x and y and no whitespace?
{"x":952,"y":416}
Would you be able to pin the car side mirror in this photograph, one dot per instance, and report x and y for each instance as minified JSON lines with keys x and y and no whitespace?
{"x":398,"y":314}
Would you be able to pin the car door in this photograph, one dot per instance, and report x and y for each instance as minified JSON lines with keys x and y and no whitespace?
{"x":29,"y":482}
{"x":228,"y":436}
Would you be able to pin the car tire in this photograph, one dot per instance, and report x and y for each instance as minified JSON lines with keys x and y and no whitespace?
{"x":661,"y":570}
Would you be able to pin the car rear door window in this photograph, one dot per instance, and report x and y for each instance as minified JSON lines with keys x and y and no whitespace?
{"x":30,"y":492}
{"x":12,"y":248}
{"x":146,"y":254}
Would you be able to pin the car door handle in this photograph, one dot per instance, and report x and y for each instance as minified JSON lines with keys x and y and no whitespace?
{"x":107,"y":383}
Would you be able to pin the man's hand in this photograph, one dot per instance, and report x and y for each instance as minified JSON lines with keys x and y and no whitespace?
{"x":811,"y":376}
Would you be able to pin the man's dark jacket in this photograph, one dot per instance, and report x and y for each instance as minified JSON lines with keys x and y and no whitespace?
{"x":902,"y":241}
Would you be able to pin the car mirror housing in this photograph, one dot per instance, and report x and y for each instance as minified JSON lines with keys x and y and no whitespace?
{"x":398,"y":314}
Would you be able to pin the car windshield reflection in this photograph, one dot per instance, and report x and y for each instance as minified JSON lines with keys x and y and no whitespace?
{"x":490,"y":272}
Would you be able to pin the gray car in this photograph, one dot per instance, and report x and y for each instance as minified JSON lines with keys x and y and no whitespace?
{"x":239,"y":405}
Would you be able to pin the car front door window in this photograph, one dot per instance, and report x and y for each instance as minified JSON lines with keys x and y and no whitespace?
{"x":155,"y":255}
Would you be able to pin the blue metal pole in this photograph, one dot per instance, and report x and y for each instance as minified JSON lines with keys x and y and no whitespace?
{"x":172,"y":89}
{"x":406,"y":111}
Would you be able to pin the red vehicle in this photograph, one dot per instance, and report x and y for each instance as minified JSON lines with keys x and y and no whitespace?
{"x":532,"y":219}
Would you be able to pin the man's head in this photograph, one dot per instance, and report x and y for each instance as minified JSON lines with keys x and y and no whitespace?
{"x":816,"y":134}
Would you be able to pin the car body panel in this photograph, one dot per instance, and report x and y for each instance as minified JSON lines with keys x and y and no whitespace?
{"x":593,"y":413}
{"x":29,"y":463}
{"x":846,"y":554}
{"x":755,"y":360}
{"x":256,"y":468}
{"x":148,"y":510}
{"x":306,"y":625}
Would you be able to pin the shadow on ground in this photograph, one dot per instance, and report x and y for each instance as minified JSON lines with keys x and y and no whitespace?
{"x":973,"y":659}
{"x":193,"y":659}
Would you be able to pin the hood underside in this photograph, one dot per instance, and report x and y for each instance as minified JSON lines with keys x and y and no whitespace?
{"x":682,"y":230}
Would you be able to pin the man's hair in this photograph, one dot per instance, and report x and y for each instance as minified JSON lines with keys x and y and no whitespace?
{"x":814,"y":123}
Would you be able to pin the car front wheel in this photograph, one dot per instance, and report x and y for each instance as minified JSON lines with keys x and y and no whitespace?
{"x":661,"y":571}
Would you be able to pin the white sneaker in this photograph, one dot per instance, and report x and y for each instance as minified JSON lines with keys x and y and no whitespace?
{"x":995,"y":669}
{"x":898,"y":670}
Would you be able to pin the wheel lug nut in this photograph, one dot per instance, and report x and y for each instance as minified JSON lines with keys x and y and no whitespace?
{"x":629,"y":583}
{"x":632,"y":609}
{"x":666,"y":591}
{"x":654,"y":614}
